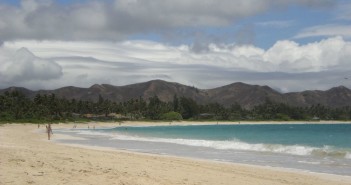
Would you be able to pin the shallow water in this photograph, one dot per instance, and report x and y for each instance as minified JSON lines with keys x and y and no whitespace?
{"x":312,"y":147}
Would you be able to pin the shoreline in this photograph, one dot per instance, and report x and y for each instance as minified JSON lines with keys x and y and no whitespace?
{"x":285,"y":169}
{"x":22,"y":146}
{"x":136,"y":145}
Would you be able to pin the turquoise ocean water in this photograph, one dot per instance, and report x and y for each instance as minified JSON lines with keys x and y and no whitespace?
{"x":322,"y":148}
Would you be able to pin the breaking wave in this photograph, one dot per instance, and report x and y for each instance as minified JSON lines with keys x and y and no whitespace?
{"x":235,"y":144}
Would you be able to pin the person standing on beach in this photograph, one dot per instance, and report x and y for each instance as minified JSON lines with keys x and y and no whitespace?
{"x":49,"y":130}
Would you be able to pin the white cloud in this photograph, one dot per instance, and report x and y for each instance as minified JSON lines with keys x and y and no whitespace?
{"x":320,"y":64}
{"x":23,"y":66}
{"x":326,"y":30}
{"x":95,"y":20}
{"x":313,"y":57}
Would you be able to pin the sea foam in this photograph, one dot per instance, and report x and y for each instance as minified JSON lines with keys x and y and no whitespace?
{"x":233,"y":144}
{"x":236,"y":144}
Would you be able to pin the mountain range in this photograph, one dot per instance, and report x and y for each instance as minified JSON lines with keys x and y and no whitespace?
{"x":246,"y":95}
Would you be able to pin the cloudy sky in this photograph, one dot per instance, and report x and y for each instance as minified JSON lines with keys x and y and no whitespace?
{"x":290,"y":45}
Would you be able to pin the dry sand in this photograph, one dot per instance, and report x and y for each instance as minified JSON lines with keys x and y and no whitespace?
{"x":27,"y":157}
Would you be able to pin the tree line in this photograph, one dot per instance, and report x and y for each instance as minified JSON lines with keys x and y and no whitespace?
{"x":16,"y":107}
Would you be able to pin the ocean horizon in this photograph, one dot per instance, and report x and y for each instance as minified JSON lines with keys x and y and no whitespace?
{"x":322,"y":148}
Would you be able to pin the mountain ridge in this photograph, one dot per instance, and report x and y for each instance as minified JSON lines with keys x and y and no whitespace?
{"x":246,"y":95}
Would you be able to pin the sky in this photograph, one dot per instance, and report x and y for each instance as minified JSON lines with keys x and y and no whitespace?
{"x":289,"y":45}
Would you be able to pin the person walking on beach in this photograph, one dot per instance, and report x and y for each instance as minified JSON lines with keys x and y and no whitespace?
{"x":49,"y":130}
